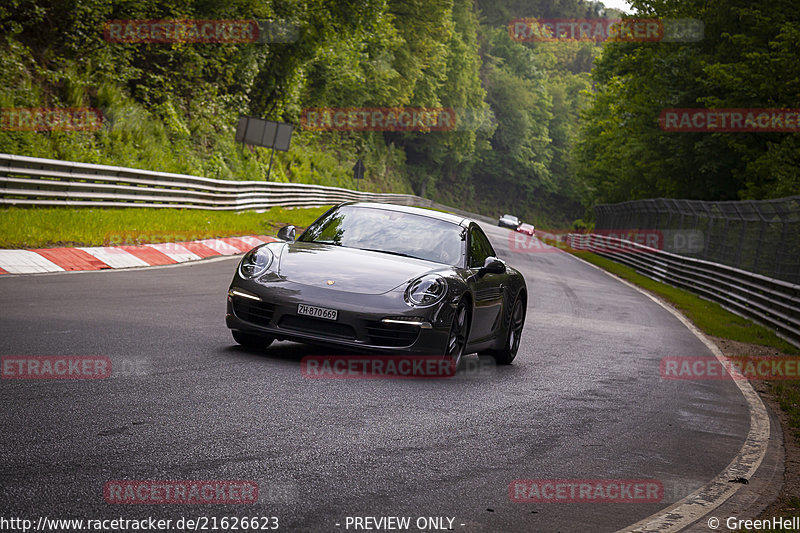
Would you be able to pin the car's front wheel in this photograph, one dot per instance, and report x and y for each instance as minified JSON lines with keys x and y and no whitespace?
{"x":506,"y":354}
{"x":459,"y":333}
{"x":249,"y":340}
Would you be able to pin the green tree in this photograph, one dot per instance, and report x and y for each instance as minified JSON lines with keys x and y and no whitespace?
{"x":746,"y":59}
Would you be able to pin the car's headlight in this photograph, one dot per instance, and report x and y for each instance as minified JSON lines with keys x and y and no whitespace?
{"x":256,"y":262}
{"x":427,"y":290}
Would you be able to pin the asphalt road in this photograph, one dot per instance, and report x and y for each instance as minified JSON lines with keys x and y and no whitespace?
{"x":583,"y":400}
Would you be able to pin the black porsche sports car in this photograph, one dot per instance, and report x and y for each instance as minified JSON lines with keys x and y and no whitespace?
{"x":382,"y":278}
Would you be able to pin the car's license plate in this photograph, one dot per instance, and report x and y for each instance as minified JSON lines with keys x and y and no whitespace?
{"x":317,"y":312}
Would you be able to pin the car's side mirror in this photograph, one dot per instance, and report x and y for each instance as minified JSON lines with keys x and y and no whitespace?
{"x":287,"y":233}
{"x":492,"y":265}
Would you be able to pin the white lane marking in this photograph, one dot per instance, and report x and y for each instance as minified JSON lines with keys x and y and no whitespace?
{"x":221,"y":246}
{"x":174,"y":251}
{"x":114,"y":257}
{"x":26,"y":262}
{"x":127,"y":269}
{"x":714,"y":493}
{"x":252,"y":241}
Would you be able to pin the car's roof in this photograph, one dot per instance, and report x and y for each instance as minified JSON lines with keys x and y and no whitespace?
{"x":447,"y":217}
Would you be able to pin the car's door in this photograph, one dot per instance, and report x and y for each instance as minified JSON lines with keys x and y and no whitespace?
{"x":487,"y":288}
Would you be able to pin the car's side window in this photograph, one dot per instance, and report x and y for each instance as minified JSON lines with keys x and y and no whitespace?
{"x":479,"y":248}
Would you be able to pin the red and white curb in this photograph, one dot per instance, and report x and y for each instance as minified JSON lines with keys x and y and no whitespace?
{"x":105,"y":257}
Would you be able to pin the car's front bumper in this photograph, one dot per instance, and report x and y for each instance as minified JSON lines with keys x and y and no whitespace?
{"x":365,"y":322}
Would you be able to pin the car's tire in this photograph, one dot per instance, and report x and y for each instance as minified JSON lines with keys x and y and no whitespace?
{"x":459,"y":335}
{"x":248,"y":340}
{"x":516,"y":323}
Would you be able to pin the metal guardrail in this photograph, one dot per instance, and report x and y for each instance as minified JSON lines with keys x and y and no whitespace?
{"x":50,"y":182}
{"x":771,"y":302}
{"x":760,"y":236}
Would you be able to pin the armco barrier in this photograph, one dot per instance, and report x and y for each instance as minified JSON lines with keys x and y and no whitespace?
{"x":771,"y":302}
{"x":50,"y":182}
{"x":761,"y":236}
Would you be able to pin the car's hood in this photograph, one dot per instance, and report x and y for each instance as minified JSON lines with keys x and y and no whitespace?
{"x":350,"y":269}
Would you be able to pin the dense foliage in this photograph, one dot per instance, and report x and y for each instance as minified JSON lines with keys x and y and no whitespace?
{"x":749,"y":57}
{"x":174,"y":106}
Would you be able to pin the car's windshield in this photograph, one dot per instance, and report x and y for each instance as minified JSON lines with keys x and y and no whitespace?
{"x":389,"y":231}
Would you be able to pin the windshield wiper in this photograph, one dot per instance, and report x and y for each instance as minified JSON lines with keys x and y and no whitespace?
{"x":401,"y":254}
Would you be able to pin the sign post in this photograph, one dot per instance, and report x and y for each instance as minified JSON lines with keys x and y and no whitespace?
{"x":266,"y":133}
{"x":358,"y":171}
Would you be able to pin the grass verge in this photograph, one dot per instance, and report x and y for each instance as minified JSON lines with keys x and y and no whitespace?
{"x":59,"y":226}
